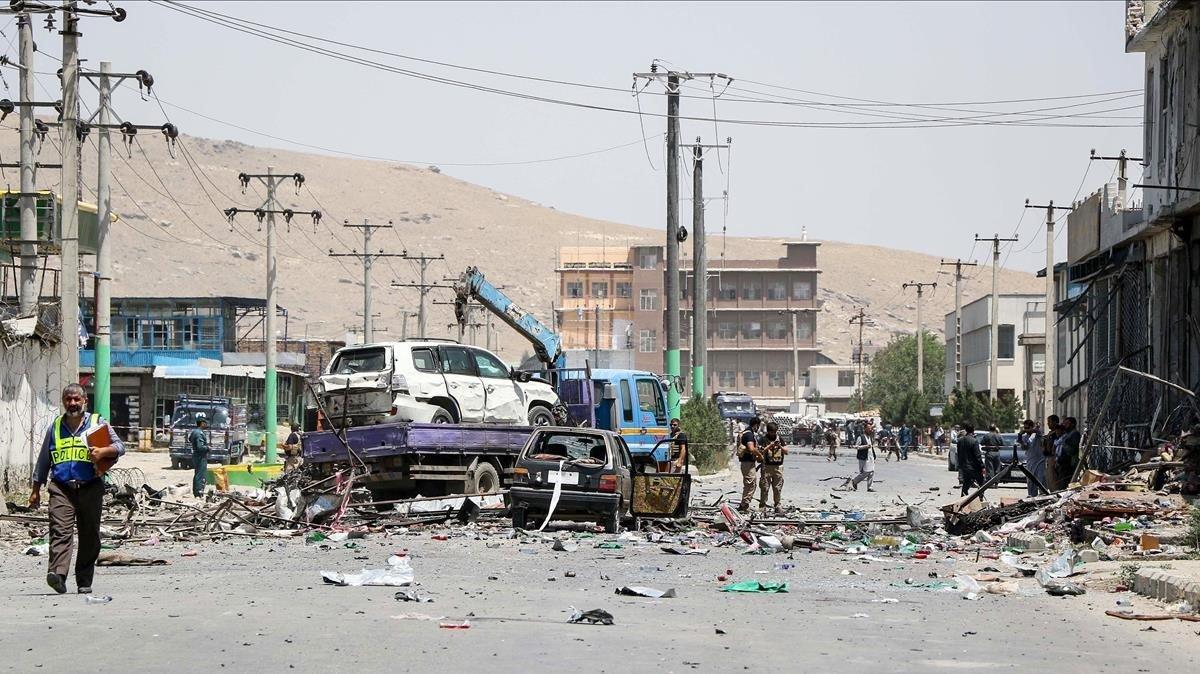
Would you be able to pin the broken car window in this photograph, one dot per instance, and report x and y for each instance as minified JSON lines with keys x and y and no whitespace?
{"x":360,"y":360}
{"x":574,"y":448}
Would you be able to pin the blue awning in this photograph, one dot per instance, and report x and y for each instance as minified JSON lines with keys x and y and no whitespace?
{"x":182,"y":372}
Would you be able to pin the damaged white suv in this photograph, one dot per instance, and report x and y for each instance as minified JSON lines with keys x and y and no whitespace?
{"x":435,"y":381}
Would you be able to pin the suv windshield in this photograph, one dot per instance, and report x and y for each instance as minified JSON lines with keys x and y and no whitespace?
{"x":571,"y":447}
{"x":185,"y":416}
{"x":360,"y":360}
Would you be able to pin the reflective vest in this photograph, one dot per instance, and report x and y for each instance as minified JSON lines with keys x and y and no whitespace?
{"x":71,"y":451}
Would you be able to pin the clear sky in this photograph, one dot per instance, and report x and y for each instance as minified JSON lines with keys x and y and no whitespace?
{"x":928,"y":189}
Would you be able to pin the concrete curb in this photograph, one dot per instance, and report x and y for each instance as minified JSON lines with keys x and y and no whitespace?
{"x":1161,"y":584}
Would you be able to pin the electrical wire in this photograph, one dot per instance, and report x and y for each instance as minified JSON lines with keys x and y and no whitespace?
{"x":1044,"y":121}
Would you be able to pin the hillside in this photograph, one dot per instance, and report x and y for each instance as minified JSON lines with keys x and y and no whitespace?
{"x":188,"y":248}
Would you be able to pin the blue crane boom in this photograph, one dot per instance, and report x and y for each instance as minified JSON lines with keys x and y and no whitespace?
{"x":472,"y":285}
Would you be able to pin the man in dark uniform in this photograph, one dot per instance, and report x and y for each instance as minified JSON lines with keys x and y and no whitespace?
{"x":679,"y":449}
{"x":198,"y":441}
{"x":748,"y":458}
{"x":970,"y":463}
{"x":74,"y":470}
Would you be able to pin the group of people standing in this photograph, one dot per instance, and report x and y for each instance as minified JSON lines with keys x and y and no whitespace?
{"x":761,"y":461}
{"x":1051,"y":455}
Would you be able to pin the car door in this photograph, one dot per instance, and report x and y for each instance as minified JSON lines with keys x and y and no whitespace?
{"x":463,"y":383}
{"x":504,"y":401}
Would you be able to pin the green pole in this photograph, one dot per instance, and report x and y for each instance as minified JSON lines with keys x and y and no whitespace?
{"x":698,"y":381}
{"x":269,"y":415}
{"x":673,"y":375}
{"x":103,"y":378}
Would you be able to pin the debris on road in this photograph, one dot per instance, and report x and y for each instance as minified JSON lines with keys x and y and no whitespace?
{"x":639,"y":591}
{"x":596,"y":616}
{"x":755,"y":586}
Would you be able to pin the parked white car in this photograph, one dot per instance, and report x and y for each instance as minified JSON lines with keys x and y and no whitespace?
{"x":433,"y":381}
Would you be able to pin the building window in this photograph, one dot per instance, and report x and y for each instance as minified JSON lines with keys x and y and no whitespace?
{"x":574,"y":288}
{"x":624,"y":290}
{"x":726,"y":330}
{"x":777,"y":329}
{"x":726,"y":379}
{"x":777,"y":378}
{"x":648,"y":341}
{"x":802,"y":290}
{"x":804,"y":328}
{"x":846,"y":378}
{"x":752,"y":378}
{"x":1006,"y":342}
{"x":647,"y":261}
{"x":600,"y":290}
{"x":752,"y":290}
{"x":648,"y":299}
{"x":777,"y":290}
{"x":727,"y":291}
{"x":752,"y":330}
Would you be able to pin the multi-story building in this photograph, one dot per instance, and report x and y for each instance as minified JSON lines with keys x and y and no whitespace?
{"x":612,"y":300}
{"x":1020,"y":348}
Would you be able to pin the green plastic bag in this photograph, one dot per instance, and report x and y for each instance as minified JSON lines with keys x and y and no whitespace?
{"x":768,"y":587}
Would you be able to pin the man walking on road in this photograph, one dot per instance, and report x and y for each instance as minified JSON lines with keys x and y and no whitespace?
{"x":773,"y":452}
{"x":866,"y":466}
{"x":198,"y":441}
{"x":970,"y":463}
{"x":748,"y":458}
{"x":1030,"y":441}
{"x":74,"y":470}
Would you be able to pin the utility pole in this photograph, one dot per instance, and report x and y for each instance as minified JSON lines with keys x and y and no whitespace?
{"x":795,"y":359}
{"x":958,"y":278}
{"x":69,"y":281}
{"x":367,"y":258}
{"x":861,"y":319}
{"x":1051,"y":362}
{"x":920,"y":333}
{"x":423,"y":261}
{"x":268,"y":211}
{"x":675,"y":235}
{"x":993,"y":357}
{"x":29,"y":229}
{"x":1122,"y":177}
{"x":700,"y":270}
{"x":102,"y":121}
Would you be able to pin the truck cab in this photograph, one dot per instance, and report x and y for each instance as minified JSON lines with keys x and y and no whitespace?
{"x":631,"y":403}
{"x":735,"y":405}
{"x":226,"y":429}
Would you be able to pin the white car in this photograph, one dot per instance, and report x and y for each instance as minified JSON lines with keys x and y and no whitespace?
{"x":433,"y":381}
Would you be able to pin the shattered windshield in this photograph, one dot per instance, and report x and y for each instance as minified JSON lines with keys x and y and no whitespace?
{"x":570,"y":447}
{"x":360,"y":360}
{"x":185,"y":416}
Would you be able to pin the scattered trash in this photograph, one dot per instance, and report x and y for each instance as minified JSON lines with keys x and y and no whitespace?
{"x":767,"y":587}
{"x":885,"y":600}
{"x":720,"y":631}
{"x":464,"y":625}
{"x":188,"y":553}
{"x":849,"y":572}
{"x":559,"y":546}
{"x":596,"y":616}
{"x":639,"y":591}
{"x":37,"y":550}
{"x":1129,"y":615}
{"x":398,"y":574}
{"x":110,"y":558}
{"x":1008,"y":587}
{"x":685,"y":551}
{"x":417,"y":616}
{"x":412,"y":595}
{"x":96,"y":599}
{"x":860,"y":615}
{"x":1063,"y":588}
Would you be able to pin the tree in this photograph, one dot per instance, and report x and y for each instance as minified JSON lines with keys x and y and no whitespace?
{"x":891,"y":385}
{"x":708,"y":440}
{"x":976,"y":409}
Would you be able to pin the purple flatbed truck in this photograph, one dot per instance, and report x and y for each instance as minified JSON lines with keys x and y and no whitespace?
{"x":410,"y":459}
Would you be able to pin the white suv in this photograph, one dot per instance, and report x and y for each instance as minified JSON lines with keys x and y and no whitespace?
{"x":431,"y":381}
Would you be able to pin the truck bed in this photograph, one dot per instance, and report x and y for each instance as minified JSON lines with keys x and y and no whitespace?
{"x":391,"y":440}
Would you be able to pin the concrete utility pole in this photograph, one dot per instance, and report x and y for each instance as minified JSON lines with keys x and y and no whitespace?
{"x":69,"y":281}
{"x":675,"y":235}
{"x":920,"y":333}
{"x":103,"y":122}
{"x":994,"y":360}
{"x":1122,"y":160}
{"x":268,"y":211}
{"x":596,"y":355}
{"x":861,"y":319}
{"x":700,"y":269}
{"x":1049,"y":377}
{"x":958,"y":278}
{"x":29,"y":229}
{"x":423,"y":262}
{"x":367,"y":258}
{"x":795,"y":359}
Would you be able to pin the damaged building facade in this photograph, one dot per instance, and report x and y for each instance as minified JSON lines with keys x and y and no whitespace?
{"x":1130,"y":290}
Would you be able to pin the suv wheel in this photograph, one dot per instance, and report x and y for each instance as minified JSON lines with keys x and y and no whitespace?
{"x":612,"y":521}
{"x":441,"y":416}
{"x":540,"y":416}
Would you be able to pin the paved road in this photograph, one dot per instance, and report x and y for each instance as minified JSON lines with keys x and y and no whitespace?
{"x":242,"y":606}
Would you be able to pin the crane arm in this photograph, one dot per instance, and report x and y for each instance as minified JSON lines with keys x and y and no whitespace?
{"x":472,"y":285}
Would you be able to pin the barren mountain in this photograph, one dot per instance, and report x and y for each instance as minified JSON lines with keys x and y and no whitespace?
{"x":174,"y":240}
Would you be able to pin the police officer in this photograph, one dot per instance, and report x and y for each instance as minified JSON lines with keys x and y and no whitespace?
{"x":748,"y":458}
{"x":679,"y":449}
{"x":198,"y":441}
{"x":773,"y":451}
{"x":76,"y":489}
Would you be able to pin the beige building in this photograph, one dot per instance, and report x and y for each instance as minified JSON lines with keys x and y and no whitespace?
{"x":611,"y":300}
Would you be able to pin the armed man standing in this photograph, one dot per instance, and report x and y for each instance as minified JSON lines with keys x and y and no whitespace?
{"x":74,"y":470}
{"x":198,"y":441}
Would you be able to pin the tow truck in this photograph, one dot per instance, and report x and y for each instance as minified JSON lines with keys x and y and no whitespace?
{"x":407,"y":458}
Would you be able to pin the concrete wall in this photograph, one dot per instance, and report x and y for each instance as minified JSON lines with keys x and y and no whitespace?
{"x":28,"y":403}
